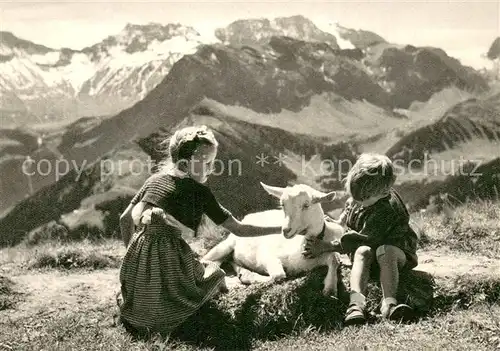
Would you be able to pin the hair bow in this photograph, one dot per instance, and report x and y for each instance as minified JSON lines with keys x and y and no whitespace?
{"x":196,"y":133}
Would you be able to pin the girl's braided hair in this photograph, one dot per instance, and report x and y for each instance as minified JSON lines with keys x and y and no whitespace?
{"x":183,"y":143}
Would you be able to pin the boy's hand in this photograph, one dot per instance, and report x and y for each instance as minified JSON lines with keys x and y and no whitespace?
{"x":314,"y":247}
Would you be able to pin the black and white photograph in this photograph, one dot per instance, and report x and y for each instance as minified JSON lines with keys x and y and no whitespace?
{"x":249,"y":175}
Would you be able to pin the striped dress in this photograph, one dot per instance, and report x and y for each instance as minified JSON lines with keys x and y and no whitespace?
{"x":384,"y":223}
{"x":162,"y":282}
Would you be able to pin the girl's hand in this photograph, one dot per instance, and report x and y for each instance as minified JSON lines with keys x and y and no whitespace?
{"x":148,"y":214}
{"x":158,"y":214}
{"x":137,"y":211}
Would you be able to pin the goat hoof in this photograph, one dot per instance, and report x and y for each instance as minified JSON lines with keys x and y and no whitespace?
{"x":330,"y":293}
{"x":223,"y":289}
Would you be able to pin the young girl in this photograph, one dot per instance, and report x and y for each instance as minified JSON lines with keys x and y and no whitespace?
{"x":162,"y":282}
{"x":379,"y":239}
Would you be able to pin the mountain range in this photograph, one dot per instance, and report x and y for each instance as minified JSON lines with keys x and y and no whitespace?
{"x":40,"y":84}
{"x":281,"y":88}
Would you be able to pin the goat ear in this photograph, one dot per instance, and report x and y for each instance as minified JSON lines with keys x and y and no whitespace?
{"x":273,"y":190}
{"x":324,"y":197}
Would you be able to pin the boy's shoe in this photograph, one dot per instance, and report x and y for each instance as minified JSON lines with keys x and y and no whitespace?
{"x":223,"y":289}
{"x":398,"y":313}
{"x":354,"y":315}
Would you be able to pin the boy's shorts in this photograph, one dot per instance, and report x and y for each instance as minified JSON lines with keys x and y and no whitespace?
{"x":352,"y":241}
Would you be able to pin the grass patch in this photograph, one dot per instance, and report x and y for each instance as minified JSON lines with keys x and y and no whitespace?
{"x":53,"y":254}
{"x":471,"y":228}
{"x":462,"y":292}
{"x":69,"y":258}
{"x":476,"y":327}
{"x":8,"y":295}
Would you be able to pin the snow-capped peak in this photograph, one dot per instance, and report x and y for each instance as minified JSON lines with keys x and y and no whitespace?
{"x":103,"y":79}
{"x":135,"y":38}
{"x":339,"y":32}
{"x":349,"y":38}
{"x":154,"y":31}
{"x":261,"y":30}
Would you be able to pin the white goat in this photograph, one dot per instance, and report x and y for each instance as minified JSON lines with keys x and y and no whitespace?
{"x":277,"y":256}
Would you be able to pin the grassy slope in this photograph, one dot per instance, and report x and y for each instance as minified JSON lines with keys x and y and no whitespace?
{"x":419,"y":115}
{"x":328,"y":116}
{"x":61,"y":297}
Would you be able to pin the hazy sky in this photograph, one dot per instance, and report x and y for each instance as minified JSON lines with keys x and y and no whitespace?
{"x":465,"y":28}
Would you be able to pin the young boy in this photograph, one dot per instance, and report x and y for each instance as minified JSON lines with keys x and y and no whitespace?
{"x":379,"y":239}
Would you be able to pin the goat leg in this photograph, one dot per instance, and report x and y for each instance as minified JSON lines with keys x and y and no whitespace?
{"x":248,"y":277}
{"x":221,"y":251}
{"x":331,"y":279}
{"x":274,"y":268}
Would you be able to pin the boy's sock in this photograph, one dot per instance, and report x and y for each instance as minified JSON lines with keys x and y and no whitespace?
{"x":358,"y":299}
{"x":386,"y":302}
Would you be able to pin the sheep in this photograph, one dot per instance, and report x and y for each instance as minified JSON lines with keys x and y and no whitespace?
{"x":277,"y":256}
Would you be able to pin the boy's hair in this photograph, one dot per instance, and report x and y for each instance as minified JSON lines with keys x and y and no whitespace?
{"x":184,"y":142}
{"x":372,"y":174}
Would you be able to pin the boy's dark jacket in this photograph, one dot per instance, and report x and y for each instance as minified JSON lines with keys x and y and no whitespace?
{"x":386,"y":222}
